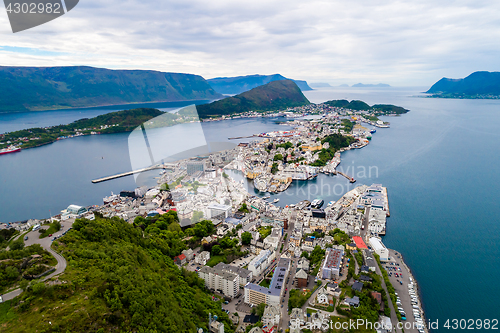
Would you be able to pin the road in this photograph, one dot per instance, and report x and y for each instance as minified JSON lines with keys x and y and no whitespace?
{"x":45,"y":243}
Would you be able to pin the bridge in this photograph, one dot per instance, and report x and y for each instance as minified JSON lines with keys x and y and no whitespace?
{"x":128,"y":173}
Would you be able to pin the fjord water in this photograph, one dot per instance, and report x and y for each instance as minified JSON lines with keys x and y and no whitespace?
{"x":439,"y":163}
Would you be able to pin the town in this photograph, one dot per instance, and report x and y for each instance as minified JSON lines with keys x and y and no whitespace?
{"x":297,"y":267}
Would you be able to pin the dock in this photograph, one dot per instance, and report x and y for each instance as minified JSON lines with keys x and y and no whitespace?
{"x":351,"y":179}
{"x":241,"y":137}
{"x":124,"y":174}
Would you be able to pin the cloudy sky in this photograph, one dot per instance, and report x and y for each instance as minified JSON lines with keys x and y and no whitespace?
{"x":403,"y":43}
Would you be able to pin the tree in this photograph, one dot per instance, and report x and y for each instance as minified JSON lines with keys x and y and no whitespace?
{"x":197,"y":216}
{"x":216,"y":250}
{"x":305,"y":254}
{"x":259,"y":310}
{"x":174,"y":227}
{"x":18,"y":244}
{"x":278,"y":157}
{"x":243,"y":208}
{"x":246,"y":238}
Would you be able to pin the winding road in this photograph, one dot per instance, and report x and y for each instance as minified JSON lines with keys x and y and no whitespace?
{"x":45,"y":243}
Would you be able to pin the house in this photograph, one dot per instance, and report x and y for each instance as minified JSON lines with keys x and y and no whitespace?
{"x":351,"y":246}
{"x":256,"y":330}
{"x":365,"y":278}
{"x":333,"y":289}
{"x":352,"y":301}
{"x":364,"y":269}
{"x":378,"y":297}
{"x":180,"y":259}
{"x":189,"y":254}
{"x":216,"y":327}
{"x":303,"y":264}
{"x":207,"y":240}
{"x":301,"y":279}
{"x":202,"y":258}
{"x":358,"y":286}
{"x":309,"y":241}
{"x":250,"y":319}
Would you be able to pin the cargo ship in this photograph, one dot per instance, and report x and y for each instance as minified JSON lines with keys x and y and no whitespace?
{"x":11,"y":149}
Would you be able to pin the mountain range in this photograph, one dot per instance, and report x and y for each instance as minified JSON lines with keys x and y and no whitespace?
{"x":49,"y":88}
{"x":271,"y":96}
{"x":239,"y":84}
{"x":362,"y":85}
{"x":477,"y":84}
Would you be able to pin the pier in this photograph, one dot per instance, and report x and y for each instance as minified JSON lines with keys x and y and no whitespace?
{"x":351,"y":179}
{"x":120,"y":175}
{"x":241,"y":137}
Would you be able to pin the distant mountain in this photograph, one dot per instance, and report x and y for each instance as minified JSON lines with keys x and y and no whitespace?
{"x":46,"y":88}
{"x":362,"y":85}
{"x":239,"y":84}
{"x":344,"y":85}
{"x":476,"y":85}
{"x":319,"y":85}
{"x":271,"y":96}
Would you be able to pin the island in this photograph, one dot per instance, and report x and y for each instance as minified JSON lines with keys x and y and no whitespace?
{"x":50,"y":88}
{"x":240,"y":84}
{"x":114,"y":122}
{"x":478,"y":85}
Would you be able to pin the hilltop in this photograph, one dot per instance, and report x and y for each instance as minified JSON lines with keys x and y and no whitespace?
{"x":362,"y":106}
{"x":272,"y":96}
{"x":476,"y":85}
{"x":48,"y":88}
{"x":240,"y":84}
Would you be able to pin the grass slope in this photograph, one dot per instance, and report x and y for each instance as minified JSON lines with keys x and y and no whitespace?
{"x":117,"y":280}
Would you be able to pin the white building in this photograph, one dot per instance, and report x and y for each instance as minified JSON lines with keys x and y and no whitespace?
{"x":261,"y":261}
{"x":331,"y":265}
{"x":271,"y":316}
{"x":244,"y":274}
{"x":223,"y":282}
{"x":379,"y":248}
{"x":216,"y":210}
{"x":255,"y":294}
{"x":202,"y":258}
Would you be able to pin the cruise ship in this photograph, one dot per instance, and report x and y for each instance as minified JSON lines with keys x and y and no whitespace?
{"x":317,"y":203}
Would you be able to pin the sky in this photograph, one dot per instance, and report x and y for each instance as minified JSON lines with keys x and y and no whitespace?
{"x":401,"y":43}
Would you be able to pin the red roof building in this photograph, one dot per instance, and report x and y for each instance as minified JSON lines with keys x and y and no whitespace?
{"x":359,"y":242}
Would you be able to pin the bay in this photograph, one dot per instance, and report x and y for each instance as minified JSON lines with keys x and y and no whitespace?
{"x":439,"y":163}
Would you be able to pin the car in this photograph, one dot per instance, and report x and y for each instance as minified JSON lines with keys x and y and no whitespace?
{"x":25,"y":238}
{"x":53,"y":239}
{"x":401,"y":282}
{"x":50,"y":235}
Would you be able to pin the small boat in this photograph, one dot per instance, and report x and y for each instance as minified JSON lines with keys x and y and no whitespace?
{"x":373,"y":131}
{"x":276,"y":200}
{"x":317,"y":203}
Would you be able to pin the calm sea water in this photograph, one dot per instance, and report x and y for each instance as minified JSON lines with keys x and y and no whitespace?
{"x":439,"y":163}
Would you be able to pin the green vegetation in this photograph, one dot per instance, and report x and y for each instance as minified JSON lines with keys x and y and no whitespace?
{"x":316,"y":258}
{"x":265,"y":231}
{"x":274,"y":168}
{"x":6,"y":235}
{"x":298,"y":298}
{"x":265,"y":283}
{"x":239,"y":84}
{"x":19,"y":262}
{"x":336,"y":141}
{"x":362,"y":106}
{"x":114,"y":122}
{"x":49,"y":88}
{"x":285,"y":145}
{"x":347,"y":125}
{"x":276,"y":95}
{"x":339,"y":237}
{"x":278,"y":157}
{"x":53,"y":228}
{"x":122,"y":278}
{"x":246,"y":238}
{"x":243,"y":208}
{"x":388,"y":109}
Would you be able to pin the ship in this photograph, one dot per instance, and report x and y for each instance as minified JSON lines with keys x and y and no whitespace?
{"x":373,"y":131}
{"x":317,"y":203}
{"x":11,"y":149}
{"x":276,"y":200}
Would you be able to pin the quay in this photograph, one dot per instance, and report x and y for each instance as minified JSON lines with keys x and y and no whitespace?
{"x":124,"y":174}
{"x":351,"y":179}
{"x":241,"y":137}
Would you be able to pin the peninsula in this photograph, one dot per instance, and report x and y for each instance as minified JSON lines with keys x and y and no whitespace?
{"x":478,"y":85}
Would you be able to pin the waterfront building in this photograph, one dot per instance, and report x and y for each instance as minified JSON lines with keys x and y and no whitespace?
{"x":379,"y":248}
{"x":195,"y":166}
